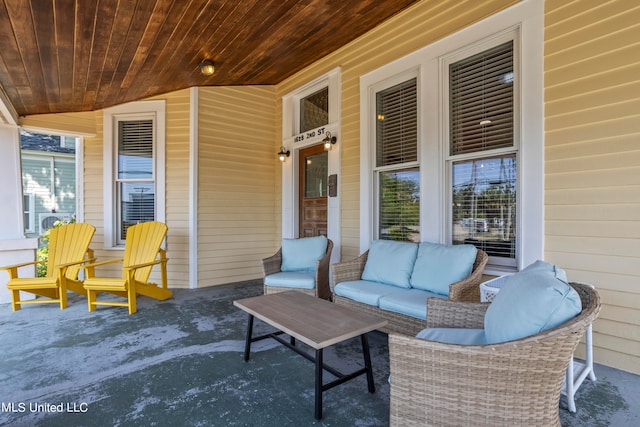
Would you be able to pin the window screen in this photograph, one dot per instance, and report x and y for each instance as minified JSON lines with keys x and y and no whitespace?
{"x":484,"y":204}
{"x":400,"y":205}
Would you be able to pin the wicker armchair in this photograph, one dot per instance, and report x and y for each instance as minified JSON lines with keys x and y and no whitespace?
{"x":511,"y":383}
{"x":464,"y":290}
{"x":322,"y":290}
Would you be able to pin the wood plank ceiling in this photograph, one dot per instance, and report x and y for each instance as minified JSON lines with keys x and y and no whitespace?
{"x":82,"y":55}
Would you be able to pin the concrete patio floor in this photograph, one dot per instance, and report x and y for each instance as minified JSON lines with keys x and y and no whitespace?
{"x":179,"y":363}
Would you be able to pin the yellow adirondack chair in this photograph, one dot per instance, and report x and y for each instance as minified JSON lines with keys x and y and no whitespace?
{"x":141,"y":252}
{"x":68,"y":249}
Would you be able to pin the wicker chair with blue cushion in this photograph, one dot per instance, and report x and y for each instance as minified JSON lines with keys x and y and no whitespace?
{"x":492,"y":364}
{"x":300,"y":264}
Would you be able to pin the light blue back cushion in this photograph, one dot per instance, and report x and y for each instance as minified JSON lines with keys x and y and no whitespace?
{"x":302,"y":254}
{"x":531,"y":301}
{"x":390,"y":262}
{"x":438,"y":266}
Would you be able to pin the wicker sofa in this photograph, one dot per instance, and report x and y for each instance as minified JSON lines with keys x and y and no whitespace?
{"x":509,"y":383}
{"x":464,"y":289}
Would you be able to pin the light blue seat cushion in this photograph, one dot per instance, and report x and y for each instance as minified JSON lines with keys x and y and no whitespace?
{"x":438,"y":266}
{"x":292,"y":279}
{"x":531,"y":301}
{"x":412,"y":302}
{"x":363,"y":291}
{"x":390,"y":262}
{"x":303,"y":254}
{"x":461,"y":336}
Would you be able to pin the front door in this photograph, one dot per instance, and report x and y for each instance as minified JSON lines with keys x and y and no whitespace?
{"x":313,"y":177}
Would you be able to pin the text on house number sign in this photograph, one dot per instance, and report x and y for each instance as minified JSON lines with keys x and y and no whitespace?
{"x":308,"y":135}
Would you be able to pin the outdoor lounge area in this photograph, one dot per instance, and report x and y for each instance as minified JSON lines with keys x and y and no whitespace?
{"x":180,"y":362}
{"x":387,"y":158}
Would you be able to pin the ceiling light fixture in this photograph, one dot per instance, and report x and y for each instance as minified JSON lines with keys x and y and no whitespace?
{"x":207,"y":67}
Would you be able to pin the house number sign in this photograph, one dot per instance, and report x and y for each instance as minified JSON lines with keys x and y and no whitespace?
{"x":305,"y":136}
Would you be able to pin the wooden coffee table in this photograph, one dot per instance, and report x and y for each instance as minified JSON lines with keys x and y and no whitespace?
{"x":315,"y":322}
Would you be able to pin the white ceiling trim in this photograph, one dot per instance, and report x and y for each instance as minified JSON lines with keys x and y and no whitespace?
{"x":8,"y":115}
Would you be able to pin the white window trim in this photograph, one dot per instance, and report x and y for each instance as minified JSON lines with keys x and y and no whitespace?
{"x":295,"y":142}
{"x":528,"y":17}
{"x":52,"y":202}
{"x":80,"y":179}
{"x":131,"y":111}
{"x":376,"y":170}
{"x":508,"y":35}
{"x":79,"y":161}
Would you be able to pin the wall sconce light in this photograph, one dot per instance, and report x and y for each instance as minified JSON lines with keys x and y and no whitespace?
{"x":329,"y":141}
{"x":283,"y":153}
{"x":207,"y":67}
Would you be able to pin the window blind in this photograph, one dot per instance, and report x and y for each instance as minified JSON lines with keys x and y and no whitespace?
{"x":481,"y":101}
{"x":397,"y":124}
{"x":137,"y":204}
{"x":135,"y":149}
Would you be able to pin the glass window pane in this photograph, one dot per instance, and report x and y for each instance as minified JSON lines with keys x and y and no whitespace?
{"x":484,"y":204}
{"x":135,"y":149}
{"x":136,"y":203}
{"x":399,"y":216}
{"x":26,"y":200}
{"x":69,"y":142}
{"x":316,"y":175}
{"x":481,"y":101}
{"x":65,"y":185}
{"x":397,"y":124}
{"x":314,"y":110}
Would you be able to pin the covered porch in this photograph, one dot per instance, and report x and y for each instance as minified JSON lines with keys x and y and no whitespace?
{"x":180,"y":362}
{"x":228,"y":201}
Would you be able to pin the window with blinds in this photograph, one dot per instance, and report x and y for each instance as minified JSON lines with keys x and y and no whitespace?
{"x":481,"y":101}
{"x":397,"y":172}
{"x":135,"y":186}
{"x":484,"y":185}
{"x":397,"y":124}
